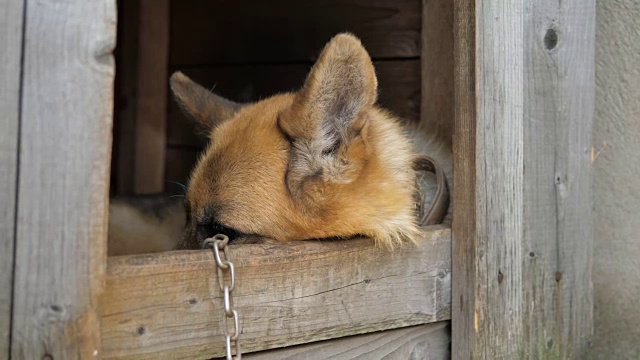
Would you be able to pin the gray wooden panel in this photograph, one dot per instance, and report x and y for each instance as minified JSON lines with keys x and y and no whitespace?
{"x":168,"y":305}
{"x":558,"y":236}
{"x":425,"y":342}
{"x":10,"y":65}
{"x":463,"y":249}
{"x":65,"y":139}
{"x":522,"y":208}
{"x":487,"y":223}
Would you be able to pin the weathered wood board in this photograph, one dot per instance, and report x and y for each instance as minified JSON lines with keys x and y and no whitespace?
{"x":65,"y":149}
{"x":424,"y":342}
{"x":464,"y":242}
{"x":559,"y":100}
{"x":522,"y":232}
{"x":170,"y":305}
{"x":11,"y":15}
{"x":399,"y":90}
{"x":224,"y":32}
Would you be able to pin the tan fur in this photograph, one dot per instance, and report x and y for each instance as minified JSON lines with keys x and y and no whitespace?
{"x":322,"y":162}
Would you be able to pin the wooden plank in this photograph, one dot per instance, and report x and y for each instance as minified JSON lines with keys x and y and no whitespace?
{"x":488,"y":164}
{"x":464,"y":244}
{"x":169,"y":305}
{"x":437,"y":105}
{"x":151,"y":112}
{"x":522,"y":210}
{"x":558,"y":235}
{"x":65,"y":138}
{"x":125,"y":109}
{"x":224,"y":32}
{"x":427,"y":342}
{"x":11,"y":16}
{"x":399,"y":89}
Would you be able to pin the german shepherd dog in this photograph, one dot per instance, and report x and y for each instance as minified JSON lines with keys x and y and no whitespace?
{"x":323,"y":162}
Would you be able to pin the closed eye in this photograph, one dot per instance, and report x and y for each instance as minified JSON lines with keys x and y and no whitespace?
{"x":210,"y":229}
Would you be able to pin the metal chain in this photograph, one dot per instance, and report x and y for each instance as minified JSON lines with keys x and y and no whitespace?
{"x":217,"y":243}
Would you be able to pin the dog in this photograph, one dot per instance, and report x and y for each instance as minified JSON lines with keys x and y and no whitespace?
{"x":322,"y":162}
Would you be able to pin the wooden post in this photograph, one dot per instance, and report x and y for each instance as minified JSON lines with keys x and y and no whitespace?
{"x":142,"y":83}
{"x":65,"y":138}
{"x":11,"y":15}
{"x":151,"y":116}
{"x":126,"y":84}
{"x":524,"y":90}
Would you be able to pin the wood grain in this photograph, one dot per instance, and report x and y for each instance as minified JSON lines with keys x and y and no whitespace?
{"x":522,"y":209}
{"x":437,"y":103}
{"x":399,"y":89}
{"x":499,"y":179}
{"x":488,"y":148}
{"x":426,"y":342}
{"x":11,"y":15}
{"x":464,"y":243}
{"x":151,"y":112}
{"x":65,"y":148}
{"x":558,"y":235}
{"x":224,"y":32}
{"x":169,"y":304}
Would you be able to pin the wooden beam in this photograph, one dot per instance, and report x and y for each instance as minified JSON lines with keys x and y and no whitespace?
{"x":426,"y":342}
{"x":489,"y":180}
{"x":65,"y":138}
{"x":169,"y":305}
{"x":437,"y":104}
{"x":11,"y":16}
{"x":151,"y":102}
{"x":522,"y":208}
{"x":464,"y":240}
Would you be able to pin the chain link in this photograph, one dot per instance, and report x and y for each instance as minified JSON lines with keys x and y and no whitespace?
{"x":217,"y":243}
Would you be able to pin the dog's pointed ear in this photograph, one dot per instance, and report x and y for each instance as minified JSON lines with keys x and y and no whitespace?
{"x":205,"y":107}
{"x":340,"y":87}
{"x":328,"y":120}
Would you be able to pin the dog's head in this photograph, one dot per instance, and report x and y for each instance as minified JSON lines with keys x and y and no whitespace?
{"x":321,"y":162}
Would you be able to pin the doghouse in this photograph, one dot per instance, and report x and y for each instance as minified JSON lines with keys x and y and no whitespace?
{"x":513,"y":81}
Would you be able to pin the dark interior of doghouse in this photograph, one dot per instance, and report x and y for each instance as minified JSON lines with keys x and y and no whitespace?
{"x":247,"y":50}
